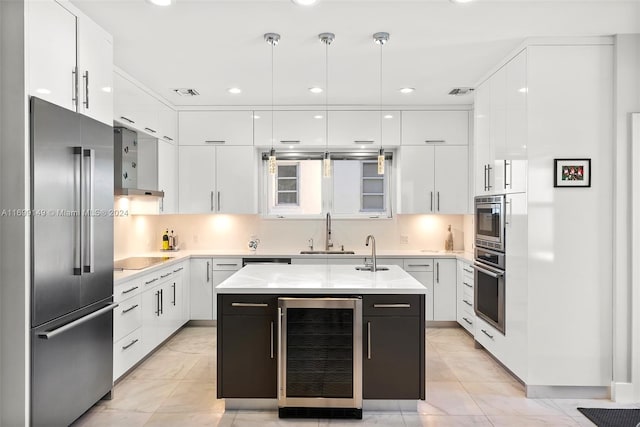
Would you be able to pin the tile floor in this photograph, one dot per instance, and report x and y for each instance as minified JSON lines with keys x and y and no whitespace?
{"x":465,"y":387}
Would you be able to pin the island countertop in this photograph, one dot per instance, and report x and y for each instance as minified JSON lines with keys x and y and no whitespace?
{"x":319,"y":279}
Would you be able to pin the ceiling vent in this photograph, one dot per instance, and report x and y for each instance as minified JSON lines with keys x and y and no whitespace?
{"x":458,"y":91}
{"x":186,"y":92}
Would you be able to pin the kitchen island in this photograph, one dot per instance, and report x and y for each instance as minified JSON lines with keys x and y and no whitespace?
{"x":325,"y":340}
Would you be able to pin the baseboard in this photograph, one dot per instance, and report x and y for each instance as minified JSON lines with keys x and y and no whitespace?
{"x":390,"y":405}
{"x":567,"y":392}
{"x":622,"y":392}
{"x":202,"y":323}
{"x":442,"y":324}
{"x":251,"y":404}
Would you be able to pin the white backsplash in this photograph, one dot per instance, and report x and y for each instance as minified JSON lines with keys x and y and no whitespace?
{"x":137,"y":234}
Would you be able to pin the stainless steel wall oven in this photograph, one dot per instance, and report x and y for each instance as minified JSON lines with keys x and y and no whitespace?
{"x":489,"y":297}
{"x":489,"y":222}
{"x":320,"y":357}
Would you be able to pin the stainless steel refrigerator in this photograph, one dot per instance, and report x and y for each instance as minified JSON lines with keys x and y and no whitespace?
{"x":71,"y":263}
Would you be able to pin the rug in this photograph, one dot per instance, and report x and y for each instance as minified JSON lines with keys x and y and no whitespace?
{"x":612,"y":417}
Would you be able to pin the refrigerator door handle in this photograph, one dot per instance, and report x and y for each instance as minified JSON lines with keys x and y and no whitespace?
{"x":51,"y":334}
{"x":89,"y":184}
{"x":77,"y":218}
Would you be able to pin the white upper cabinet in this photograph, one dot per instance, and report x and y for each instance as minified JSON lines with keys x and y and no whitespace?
{"x":167,"y":124}
{"x":498,"y":136}
{"x":515,"y":180}
{"x":482,"y":134}
{"x":433,"y":179}
{"x":126,"y":100}
{"x":290,"y":128}
{"x":362,"y":128}
{"x":95,"y":68}
{"x":435,"y":127}
{"x":196,"y":172}
{"x":52,"y":53}
{"x":168,"y":176}
{"x":216,"y":127}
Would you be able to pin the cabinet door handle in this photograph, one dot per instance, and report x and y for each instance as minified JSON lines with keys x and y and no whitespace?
{"x":208,"y":278}
{"x":126,"y":347}
{"x":126,"y":310}
{"x":179,"y":269}
{"x":126,"y":119}
{"x":467,"y":285}
{"x":227,"y":265}
{"x":438,"y":198}
{"x":489,"y":186}
{"x":271,"y":339}
{"x":162,"y":204}
{"x":174,"y":294}
{"x":158,"y":303}
{"x":369,"y":340}
{"x":487,"y":333}
{"x":435,"y":141}
{"x":150,"y":130}
{"x":467,"y":320}
{"x":221,"y":141}
{"x":129,"y":290}
{"x":431,"y":201}
{"x":85,"y":77}
{"x":404,"y":305}
{"x":437,"y":272}
{"x":367,"y":141}
{"x":162,"y":276}
{"x":484,"y":176}
{"x":467,"y":302}
{"x":506,"y":162}
{"x":218,"y":201}
{"x":168,"y":138}
{"x":161,"y":301}
{"x":293,"y":141}
{"x":467,"y":270}
{"x":74,"y":86}
{"x":151,"y":281}
{"x":212,"y":208}
{"x":418,"y":265}
{"x":249,"y":304}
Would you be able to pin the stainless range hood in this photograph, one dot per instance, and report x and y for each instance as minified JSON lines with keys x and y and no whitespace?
{"x":126,"y":165}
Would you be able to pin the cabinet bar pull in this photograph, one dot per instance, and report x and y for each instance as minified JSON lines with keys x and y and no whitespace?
{"x":162,"y":276}
{"x":212,"y":202}
{"x":489,"y":186}
{"x":227,"y":265}
{"x":129,"y":309}
{"x":126,"y":119}
{"x":293,"y":141}
{"x":74,"y":85}
{"x":85,"y":77}
{"x":179,"y":269}
{"x":369,"y":340}
{"x":487,"y":333}
{"x":151,"y":281}
{"x":435,"y":141}
{"x":174,"y":294}
{"x":506,"y":162}
{"x":468,"y":271}
{"x":437,"y":272}
{"x":438,"y":193}
{"x":161,"y":301}
{"x":215,"y":142}
{"x":125,"y":347}
{"x":467,"y":302}
{"x":485,"y":178}
{"x":208,"y":278}
{"x":363,"y":142}
{"x":467,"y":285}
{"x":130,"y":290}
{"x":218,"y":201}
{"x":272,"y":339}
{"x":168,"y":138}
{"x":150,"y":130}
{"x":467,"y":320}
{"x":431,"y":201}
{"x":418,"y":265}
{"x":249,"y":304}
{"x":392,"y":305}
{"x":158,"y":303}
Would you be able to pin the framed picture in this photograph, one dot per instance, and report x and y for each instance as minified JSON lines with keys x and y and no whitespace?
{"x":572,"y":173}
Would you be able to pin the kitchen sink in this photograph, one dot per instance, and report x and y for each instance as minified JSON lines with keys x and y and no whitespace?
{"x":327,"y":253}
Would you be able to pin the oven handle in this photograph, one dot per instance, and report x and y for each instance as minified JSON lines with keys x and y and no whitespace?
{"x":494,"y":274}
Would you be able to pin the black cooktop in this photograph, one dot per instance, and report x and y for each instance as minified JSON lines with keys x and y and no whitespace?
{"x":139,"y":262}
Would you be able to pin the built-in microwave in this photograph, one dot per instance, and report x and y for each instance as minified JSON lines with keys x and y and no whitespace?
{"x":489,"y":222}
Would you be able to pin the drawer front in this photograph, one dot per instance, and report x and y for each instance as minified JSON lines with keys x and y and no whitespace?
{"x":222,"y":264}
{"x":151,"y":280}
{"x":127,"y":290}
{"x":467,"y":299}
{"x":254,"y":305}
{"x":467,"y":273}
{"x":165,"y":275}
{"x":418,"y":264}
{"x":127,"y":317}
{"x":492,"y":340}
{"x":467,"y":320}
{"x":392,"y":305}
{"x":127,"y":352}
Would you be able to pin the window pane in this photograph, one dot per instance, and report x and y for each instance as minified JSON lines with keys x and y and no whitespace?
{"x":373,"y":186}
{"x":287,"y":184}
{"x":370,"y":169}
{"x":287,"y":171}
{"x":373,"y":203}
{"x":287,"y":198}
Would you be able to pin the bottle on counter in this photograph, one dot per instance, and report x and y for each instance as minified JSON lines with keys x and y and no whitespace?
{"x":165,"y":240}
{"x":172,"y":241}
{"x":448,"y":243}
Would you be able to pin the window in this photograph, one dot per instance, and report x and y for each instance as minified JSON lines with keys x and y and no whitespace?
{"x":287,"y":184}
{"x":358,"y":190}
{"x":372,"y":194}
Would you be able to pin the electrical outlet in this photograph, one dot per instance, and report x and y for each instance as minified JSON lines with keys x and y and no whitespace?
{"x":404,"y":240}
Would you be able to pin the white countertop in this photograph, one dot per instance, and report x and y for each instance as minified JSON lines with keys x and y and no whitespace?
{"x":324,"y":279}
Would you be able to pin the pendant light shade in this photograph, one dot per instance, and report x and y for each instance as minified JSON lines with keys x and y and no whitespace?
{"x":381,"y":39}
{"x":273,"y":39}
{"x":326,"y":38}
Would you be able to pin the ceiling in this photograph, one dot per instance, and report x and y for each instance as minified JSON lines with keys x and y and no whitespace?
{"x":435,"y":45}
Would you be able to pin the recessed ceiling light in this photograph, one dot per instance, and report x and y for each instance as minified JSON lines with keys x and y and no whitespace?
{"x":315,"y":89}
{"x":407,"y":90}
{"x":460,"y":1}
{"x":183,"y":91}
{"x":256,"y":117}
{"x":235,"y":90}
{"x":388,"y":116}
{"x":304,"y":2}
{"x":523,"y":90}
{"x":107,"y":89}
{"x":43,"y":91}
{"x":317,"y":117}
{"x":161,"y":2}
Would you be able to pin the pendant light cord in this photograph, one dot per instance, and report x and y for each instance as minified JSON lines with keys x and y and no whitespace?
{"x":381,"y":44}
{"x":272,"y":97}
{"x":326,"y":95}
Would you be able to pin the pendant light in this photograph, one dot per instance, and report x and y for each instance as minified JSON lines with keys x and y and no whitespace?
{"x":381,"y":39}
{"x":272,"y":39}
{"x":326,"y":38}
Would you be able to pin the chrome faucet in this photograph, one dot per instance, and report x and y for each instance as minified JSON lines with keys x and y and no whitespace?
{"x":374,"y":266}
{"x":311,"y":244}
{"x":327,"y":238}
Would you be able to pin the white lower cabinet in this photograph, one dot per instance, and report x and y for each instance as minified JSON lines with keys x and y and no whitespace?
{"x":492,"y":340}
{"x":422,"y":271}
{"x":127,"y":317}
{"x":127,"y":352}
{"x":201,"y":287}
{"x":444,"y":290}
{"x":465,"y":287}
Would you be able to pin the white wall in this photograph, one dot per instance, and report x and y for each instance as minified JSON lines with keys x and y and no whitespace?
{"x":626,"y":101}
{"x":142,"y":233}
{"x":14,"y":194}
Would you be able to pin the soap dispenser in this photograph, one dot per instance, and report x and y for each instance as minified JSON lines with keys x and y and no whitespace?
{"x":165,"y":240}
